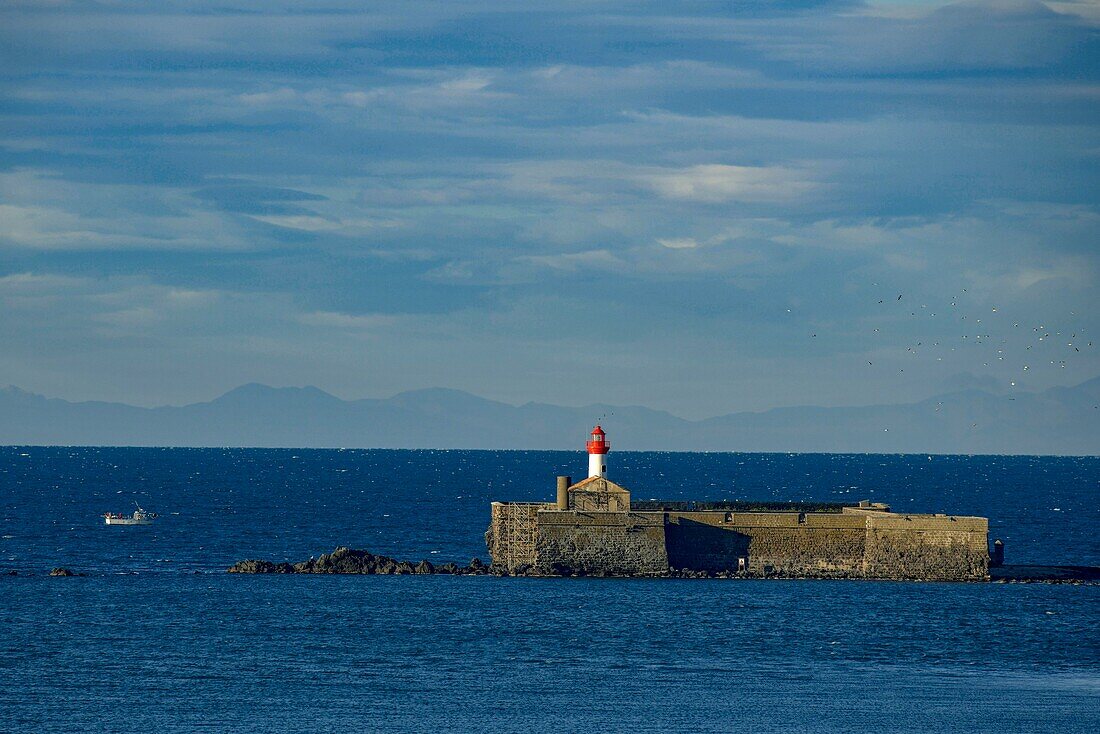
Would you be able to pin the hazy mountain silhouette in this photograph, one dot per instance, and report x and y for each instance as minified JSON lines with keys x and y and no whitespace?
{"x":1063,"y":420}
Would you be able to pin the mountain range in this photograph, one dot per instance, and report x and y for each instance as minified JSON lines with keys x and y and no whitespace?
{"x":1059,"y":421}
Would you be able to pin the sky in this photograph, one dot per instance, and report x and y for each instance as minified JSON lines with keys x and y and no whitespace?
{"x":700,"y":207}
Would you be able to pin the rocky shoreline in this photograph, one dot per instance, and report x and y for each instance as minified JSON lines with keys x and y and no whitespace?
{"x":350,"y":561}
{"x":360,"y":562}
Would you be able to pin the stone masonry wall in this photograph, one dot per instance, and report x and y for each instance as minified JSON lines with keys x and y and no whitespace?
{"x":923,"y":547}
{"x":864,"y":545}
{"x":621,"y":543}
{"x":787,"y":543}
{"x":599,"y":501}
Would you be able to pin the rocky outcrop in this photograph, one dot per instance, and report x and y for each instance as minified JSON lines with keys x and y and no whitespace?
{"x":252,"y":566}
{"x":351,"y":561}
{"x":63,"y":572}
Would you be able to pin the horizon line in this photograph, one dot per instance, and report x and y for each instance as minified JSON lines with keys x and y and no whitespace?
{"x":401,"y":393}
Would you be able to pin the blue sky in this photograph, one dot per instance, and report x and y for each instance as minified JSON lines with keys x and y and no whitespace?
{"x":696,"y":206}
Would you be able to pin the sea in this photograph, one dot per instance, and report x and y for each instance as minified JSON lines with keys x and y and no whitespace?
{"x":156,"y":637}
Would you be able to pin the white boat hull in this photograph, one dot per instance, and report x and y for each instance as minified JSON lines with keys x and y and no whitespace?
{"x":126,"y":521}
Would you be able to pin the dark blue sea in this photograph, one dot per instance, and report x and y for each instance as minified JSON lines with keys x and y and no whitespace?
{"x":157,"y":638}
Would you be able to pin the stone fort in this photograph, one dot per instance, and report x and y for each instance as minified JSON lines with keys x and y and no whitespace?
{"x":593,"y":528}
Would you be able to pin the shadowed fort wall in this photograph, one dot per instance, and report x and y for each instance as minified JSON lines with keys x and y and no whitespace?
{"x":787,"y":543}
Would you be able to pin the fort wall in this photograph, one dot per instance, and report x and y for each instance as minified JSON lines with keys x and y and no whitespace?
{"x":591,"y":528}
{"x":617,"y":543}
{"x":510,"y":539}
{"x":765,"y":543}
{"x":943,"y":548}
{"x":860,"y":544}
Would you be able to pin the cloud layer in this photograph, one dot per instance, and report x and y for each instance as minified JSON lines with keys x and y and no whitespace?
{"x":690,"y":206}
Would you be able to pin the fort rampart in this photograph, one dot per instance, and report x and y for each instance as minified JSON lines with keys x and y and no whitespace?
{"x":856,"y":542}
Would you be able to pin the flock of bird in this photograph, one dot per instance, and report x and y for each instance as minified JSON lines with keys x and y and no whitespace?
{"x":1003,"y":346}
{"x":984,"y":336}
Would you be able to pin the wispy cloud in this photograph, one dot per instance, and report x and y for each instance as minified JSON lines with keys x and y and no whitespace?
{"x":358,"y":324}
{"x":715,"y":182}
{"x":678,"y":243}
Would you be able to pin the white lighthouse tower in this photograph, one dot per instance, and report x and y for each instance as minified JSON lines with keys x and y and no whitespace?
{"x":598,"y":447}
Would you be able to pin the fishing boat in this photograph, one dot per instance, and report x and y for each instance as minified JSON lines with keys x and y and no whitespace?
{"x":140,"y":517}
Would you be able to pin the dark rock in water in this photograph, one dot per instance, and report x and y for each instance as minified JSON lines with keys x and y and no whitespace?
{"x":476,"y":568}
{"x":253,"y":566}
{"x":349,"y":561}
{"x":13,"y":572}
{"x":61,"y":572}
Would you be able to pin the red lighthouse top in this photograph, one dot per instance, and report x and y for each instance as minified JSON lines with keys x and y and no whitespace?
{"x":597,"y":442}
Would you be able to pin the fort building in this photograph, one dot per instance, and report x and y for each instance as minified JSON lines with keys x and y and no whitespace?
{"x":593,"y":528}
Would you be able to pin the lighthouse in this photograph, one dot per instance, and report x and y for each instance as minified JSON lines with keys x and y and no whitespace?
{"x":598,"y":447}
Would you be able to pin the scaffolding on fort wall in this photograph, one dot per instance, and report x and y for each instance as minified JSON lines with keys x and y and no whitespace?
{"x":514,"y":530}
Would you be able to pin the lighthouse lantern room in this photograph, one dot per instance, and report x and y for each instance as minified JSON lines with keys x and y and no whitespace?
{"x":598,"y":446}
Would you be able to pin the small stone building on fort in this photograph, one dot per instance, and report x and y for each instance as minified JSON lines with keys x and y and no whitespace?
{"x":592,"y":528}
